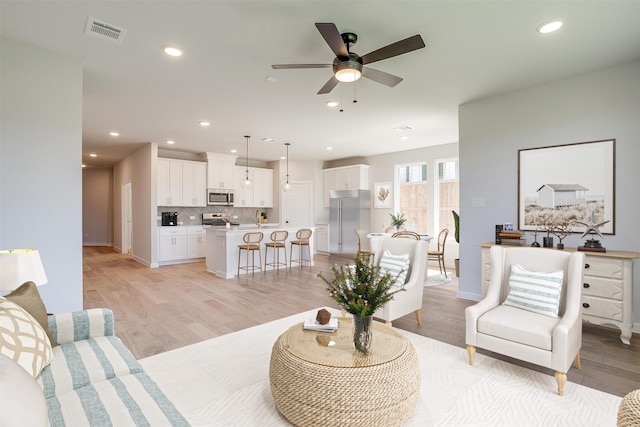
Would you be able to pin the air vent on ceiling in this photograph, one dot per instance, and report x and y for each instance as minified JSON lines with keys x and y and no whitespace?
{"x":104,"y":31}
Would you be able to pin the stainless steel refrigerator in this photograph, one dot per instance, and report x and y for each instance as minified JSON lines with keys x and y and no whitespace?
{"x":349,"y":209}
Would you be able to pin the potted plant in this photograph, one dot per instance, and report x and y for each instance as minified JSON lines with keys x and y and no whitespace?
{"x":361,"y":289}
{"x":456,"y":235}
{"x":397,"y":220}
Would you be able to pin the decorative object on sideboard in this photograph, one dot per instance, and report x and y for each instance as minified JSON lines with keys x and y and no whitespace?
{"x":286,"y":185}
{"x":456,"y":236}
{"x":247,"y":182}
{"x":535,"y":243}
{"x":547,"y":225}
{"x":361,"y":289}
{"x":592,"y":227}
{"x":561,"y":231}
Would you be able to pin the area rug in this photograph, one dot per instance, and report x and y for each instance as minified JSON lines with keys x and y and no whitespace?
{"x":434,"y":278}
{"x":225,"y":382}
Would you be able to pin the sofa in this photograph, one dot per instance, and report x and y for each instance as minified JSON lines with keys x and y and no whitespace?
{"x":92,"y":380}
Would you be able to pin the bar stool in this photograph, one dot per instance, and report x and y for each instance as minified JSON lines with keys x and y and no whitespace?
{"x":278,"y":239}
{"x":302,"y":237}
{"x":252,"y":243}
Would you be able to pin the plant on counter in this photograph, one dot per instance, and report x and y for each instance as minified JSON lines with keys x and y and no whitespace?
{"x":397,"y":220}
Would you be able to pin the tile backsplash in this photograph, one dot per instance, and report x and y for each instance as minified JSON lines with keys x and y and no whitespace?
{"x":245,"y":215}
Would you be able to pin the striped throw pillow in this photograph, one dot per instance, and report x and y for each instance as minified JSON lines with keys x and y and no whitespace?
{"x":535,"y":291}
{"x":395,"y":264}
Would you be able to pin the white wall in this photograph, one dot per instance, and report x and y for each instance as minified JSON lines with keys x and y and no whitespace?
{"x":40,"y":159}
{"x":139,"y":169}
{"x":97,"y":207}
{"x":595,"y":106}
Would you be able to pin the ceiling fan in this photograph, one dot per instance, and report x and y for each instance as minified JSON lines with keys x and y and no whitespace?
{"x":349,"y":66}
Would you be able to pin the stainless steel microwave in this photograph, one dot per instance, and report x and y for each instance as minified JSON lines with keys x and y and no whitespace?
{"x":217,"y":197}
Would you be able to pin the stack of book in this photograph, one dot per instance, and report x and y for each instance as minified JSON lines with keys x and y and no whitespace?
{"x":314,"y":325}
{"x":512,"y":237}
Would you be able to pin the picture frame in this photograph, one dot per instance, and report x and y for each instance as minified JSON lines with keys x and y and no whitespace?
{"x":382,"y":195}
{"x":568,"y":182}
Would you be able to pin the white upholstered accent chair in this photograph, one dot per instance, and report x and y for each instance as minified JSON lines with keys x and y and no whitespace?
{"x":409,"y":300}
{"x":525,"y":335}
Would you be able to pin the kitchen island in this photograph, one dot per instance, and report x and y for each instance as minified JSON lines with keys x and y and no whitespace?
{"x":222,"y":247}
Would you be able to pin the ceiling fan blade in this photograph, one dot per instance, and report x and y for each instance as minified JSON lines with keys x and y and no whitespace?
{"x":381,"y":77}
{"x":394,"y":49}
{"x":333,"y":38}
{"x":328,"y":86}
{"x":295,"y":66}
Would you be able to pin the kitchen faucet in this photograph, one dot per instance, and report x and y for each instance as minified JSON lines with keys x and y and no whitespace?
{"x":258,"y":217}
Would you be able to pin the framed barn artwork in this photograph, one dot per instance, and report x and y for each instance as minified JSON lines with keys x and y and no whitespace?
{"x":568,"y":183}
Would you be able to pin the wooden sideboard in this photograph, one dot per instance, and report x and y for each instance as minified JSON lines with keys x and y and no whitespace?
{"x":607,"y":291}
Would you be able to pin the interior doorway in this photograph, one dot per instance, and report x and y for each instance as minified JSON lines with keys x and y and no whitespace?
{"x":127,"y":219}
{"x":296,"y":205}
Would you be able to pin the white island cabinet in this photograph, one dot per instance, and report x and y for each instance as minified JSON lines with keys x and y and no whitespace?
{"x":222,"y":248}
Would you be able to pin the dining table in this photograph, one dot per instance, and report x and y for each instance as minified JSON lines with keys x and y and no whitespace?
{"x":376,"y":239}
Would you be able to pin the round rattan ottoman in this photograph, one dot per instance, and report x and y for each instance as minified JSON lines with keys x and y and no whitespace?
{"x":320,"y":379}
{"x":629,"y":410}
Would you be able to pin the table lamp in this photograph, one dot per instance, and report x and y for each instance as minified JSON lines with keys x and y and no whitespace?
{"x":18,"y":266}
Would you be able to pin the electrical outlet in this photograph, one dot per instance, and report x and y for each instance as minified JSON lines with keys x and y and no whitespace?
{"x":192,"y":217}
{"x":477,"y":202}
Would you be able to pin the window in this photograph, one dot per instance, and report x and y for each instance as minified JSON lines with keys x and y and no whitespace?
{"x":447,"y":194}
{"x":411,"y":186}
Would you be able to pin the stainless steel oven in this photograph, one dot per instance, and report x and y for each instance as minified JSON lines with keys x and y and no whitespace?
{"x":219,"y":197}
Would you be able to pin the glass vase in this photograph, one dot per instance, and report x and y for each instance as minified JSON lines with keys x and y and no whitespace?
{"x":362,"y":333}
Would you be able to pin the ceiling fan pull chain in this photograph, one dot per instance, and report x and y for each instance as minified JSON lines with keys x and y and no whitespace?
{"x":341,"y":109}
{"x":355,"y":92}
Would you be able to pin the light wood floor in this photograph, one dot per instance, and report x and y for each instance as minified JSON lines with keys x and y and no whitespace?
{"x":172,"y":306}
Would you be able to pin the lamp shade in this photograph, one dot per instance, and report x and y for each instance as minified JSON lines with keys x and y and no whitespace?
{"x":18,"y":266}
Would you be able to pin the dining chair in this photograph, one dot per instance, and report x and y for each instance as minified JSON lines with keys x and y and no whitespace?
{"x":363,"y":254}
{"x":406,"y":234}
{"x":438,"y":255}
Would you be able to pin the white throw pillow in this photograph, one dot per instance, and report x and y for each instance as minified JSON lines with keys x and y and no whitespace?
{"x":22,"y":339}
{"x":21,"y":399}
{"x":395,"y":264}
{"x":535,"y":291}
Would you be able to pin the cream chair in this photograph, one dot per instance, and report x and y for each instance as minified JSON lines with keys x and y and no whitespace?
{"x":409,"y":300}
{"x":552,"y":342}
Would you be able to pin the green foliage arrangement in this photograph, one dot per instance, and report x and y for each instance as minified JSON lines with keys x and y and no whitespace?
{"x":361,"y":289}
{"x":398,"y":219}
{"x":456,"y":223}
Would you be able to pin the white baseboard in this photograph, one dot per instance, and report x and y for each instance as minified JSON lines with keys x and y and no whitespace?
{"x":96,"y":244}
{"x":468,"y":295}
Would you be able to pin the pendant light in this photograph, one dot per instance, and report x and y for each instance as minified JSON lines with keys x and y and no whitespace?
{"x":247,"y":182}
{"x":286,"y":185}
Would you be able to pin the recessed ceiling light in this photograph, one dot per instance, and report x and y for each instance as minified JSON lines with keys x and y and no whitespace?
{"x":271,"y":79}
{"x":114,"y":134}
{"x":171,"y":142}
{"x":84,"y":166}
{"x":332,"y":104}
{"x":329,"y":148}
{"x":234,"y":151}
{"x":171,"y":50}
{"x":204,"y":123}
{"x":550,"y":26}
{"x":404,"y":137}
{"x":283,"y":157}
{"x":93,"y":155}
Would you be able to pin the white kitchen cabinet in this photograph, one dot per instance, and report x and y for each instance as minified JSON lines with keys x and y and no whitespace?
{"x":194,"y":181}
{"x":607,"y":289}
{"x":172,"y":243}
{"x":260,"y":195}
{"x":354,"y":177}
{"x":169,"y":184}
{"x":322,"y":238}
{"x":263,"y":188}
{"x":220,"y":171}
{"x":196,"y":242}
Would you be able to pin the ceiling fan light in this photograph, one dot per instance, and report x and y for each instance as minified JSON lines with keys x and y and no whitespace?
{"x":348,"y":75}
